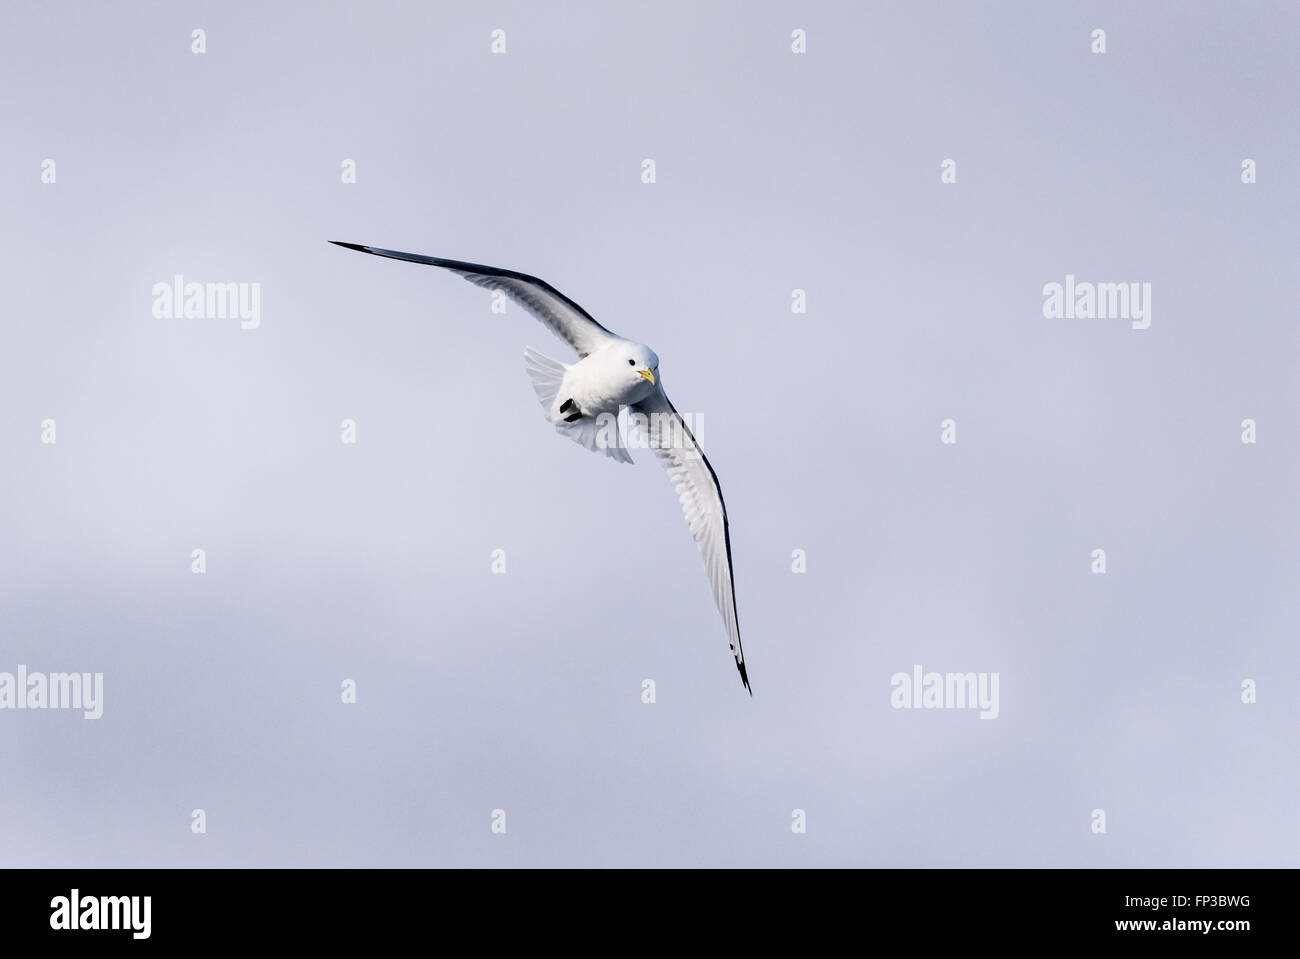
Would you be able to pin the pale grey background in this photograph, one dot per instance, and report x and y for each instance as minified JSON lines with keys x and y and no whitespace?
{"x":522,"y":691}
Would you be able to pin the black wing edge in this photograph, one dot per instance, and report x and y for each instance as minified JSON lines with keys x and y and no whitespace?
{"x":465,"y":267}
{"x":726,"y":535}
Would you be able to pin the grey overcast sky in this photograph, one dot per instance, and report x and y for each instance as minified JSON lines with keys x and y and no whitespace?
{"x":774,"y":171}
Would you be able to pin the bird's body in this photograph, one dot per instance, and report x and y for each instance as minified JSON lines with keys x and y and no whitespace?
{"x":610,"y":378}
{"x":583,"y":401}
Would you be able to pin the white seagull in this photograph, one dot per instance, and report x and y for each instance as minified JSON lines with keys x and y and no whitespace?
{"x":581,"y":398}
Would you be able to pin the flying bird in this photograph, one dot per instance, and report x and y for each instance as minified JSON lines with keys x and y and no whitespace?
{"x":582,"y":400}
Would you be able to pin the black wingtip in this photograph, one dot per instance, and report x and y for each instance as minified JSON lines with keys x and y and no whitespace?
{"x":744,"y":678}
{"x":352,"y":246}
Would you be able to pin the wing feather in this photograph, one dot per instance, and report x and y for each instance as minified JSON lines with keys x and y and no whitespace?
{"x":700,"y":494}
{"x":561,"y":315}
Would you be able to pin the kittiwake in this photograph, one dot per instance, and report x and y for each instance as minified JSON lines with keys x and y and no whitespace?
{"x":612,"y":373}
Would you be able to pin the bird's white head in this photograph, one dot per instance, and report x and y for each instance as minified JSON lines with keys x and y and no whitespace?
{"x":634,"y":364}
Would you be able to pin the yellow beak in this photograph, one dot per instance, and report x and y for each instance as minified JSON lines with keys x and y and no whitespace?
{"x":647,"y":374}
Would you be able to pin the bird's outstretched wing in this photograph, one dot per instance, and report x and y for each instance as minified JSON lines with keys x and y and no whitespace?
{"x":701,"y":498}
{"x":562,"y":316}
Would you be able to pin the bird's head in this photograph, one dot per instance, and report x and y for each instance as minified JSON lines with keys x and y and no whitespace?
{"x":638,"y":364}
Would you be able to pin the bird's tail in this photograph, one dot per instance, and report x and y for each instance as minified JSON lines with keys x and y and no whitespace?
{"x":547,"y":375}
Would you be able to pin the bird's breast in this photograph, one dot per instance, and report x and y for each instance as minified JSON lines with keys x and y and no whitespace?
{"x":598,"y":392}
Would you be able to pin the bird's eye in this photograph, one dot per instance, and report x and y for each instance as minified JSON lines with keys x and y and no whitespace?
{"x":631,"y":362}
